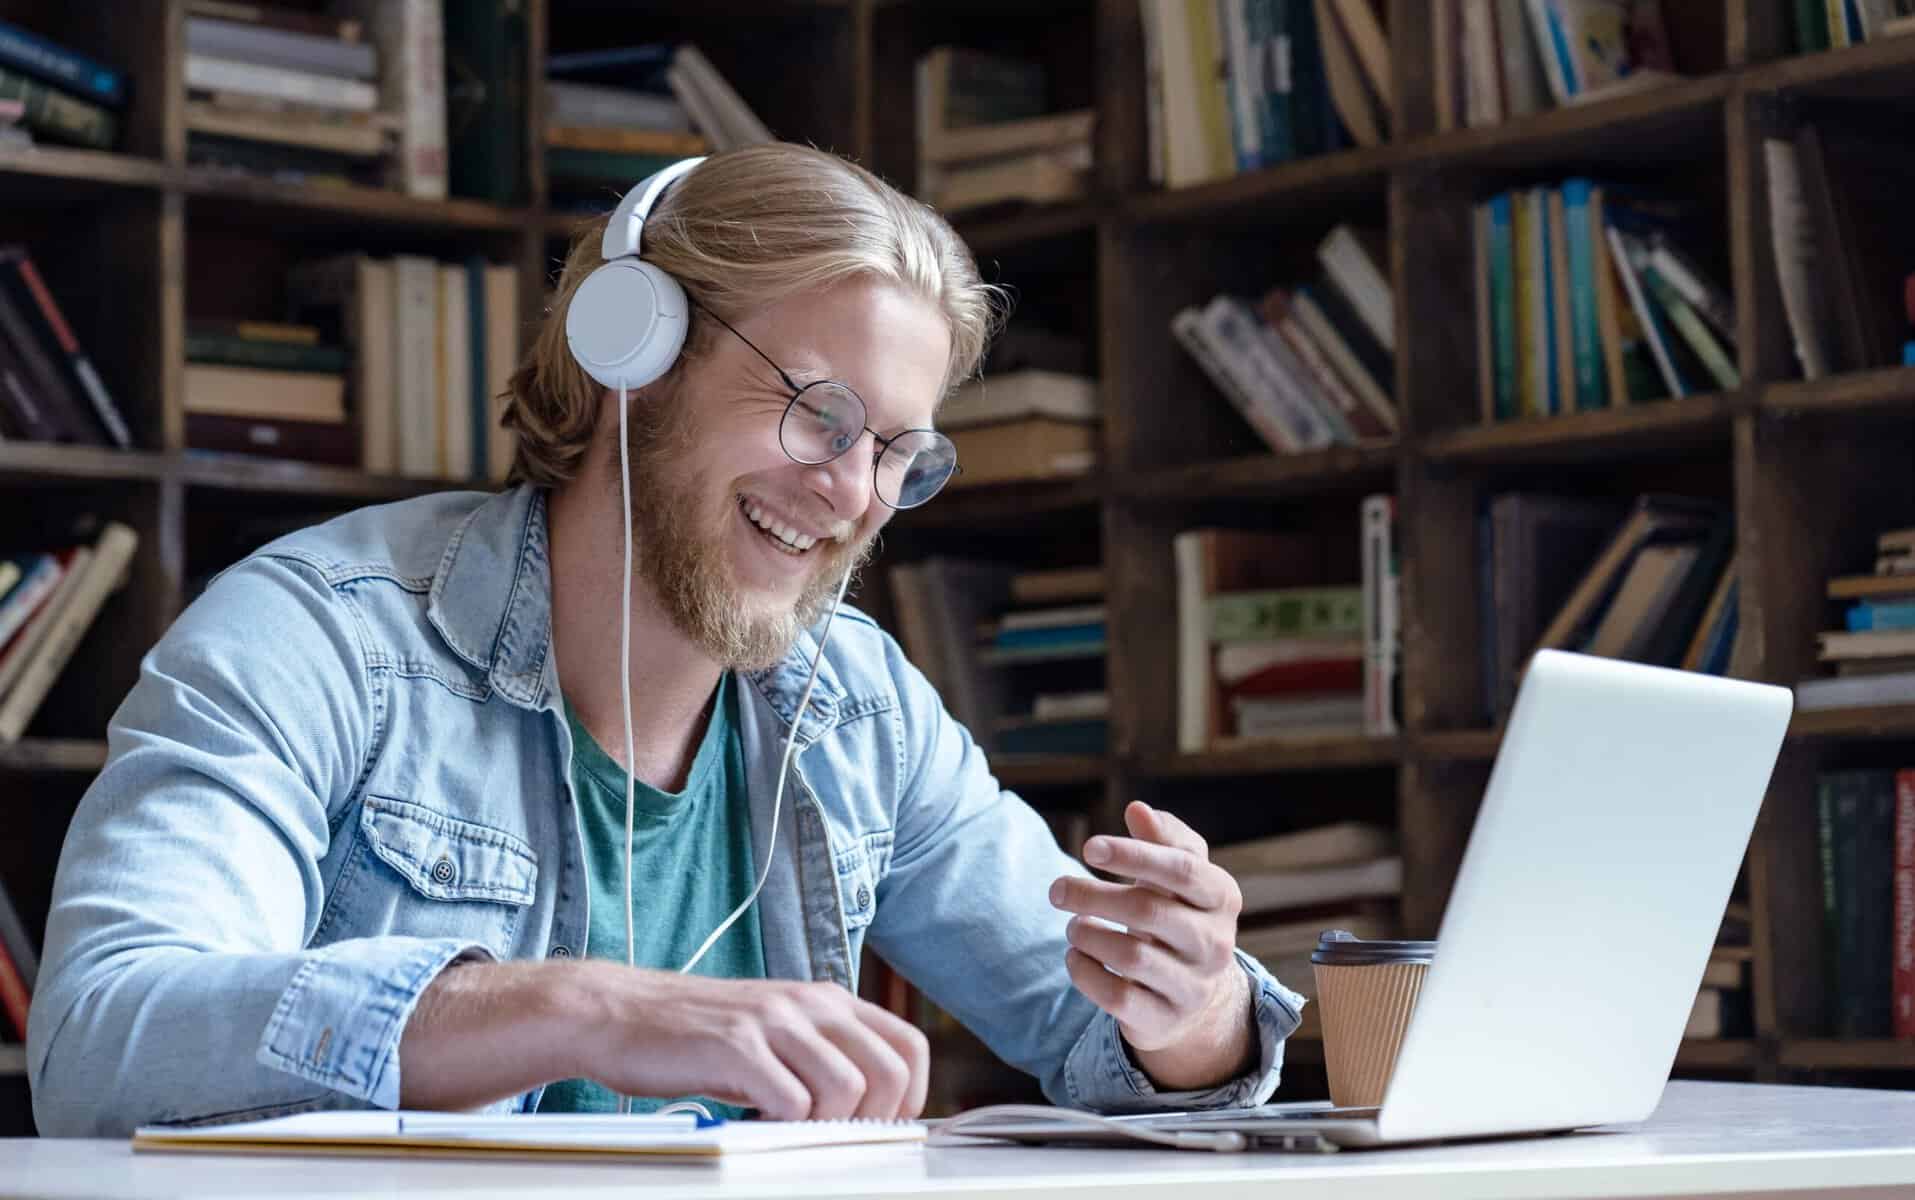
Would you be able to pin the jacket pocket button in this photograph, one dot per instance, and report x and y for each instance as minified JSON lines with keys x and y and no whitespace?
{"x":864,"y":897}
{"x":443,"y":871}
{"x":561,"y":952}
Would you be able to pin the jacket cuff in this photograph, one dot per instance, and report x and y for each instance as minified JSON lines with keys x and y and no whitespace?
{"x":1100,"y":1074}
{"x":339,"y":1021}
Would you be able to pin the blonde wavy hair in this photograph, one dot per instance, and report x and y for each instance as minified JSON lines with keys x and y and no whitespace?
{"x":749,"y":228}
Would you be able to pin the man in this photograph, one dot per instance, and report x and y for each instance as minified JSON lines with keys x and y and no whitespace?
{"x":361,"y":836}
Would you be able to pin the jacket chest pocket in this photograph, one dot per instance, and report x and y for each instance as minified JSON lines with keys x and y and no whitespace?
{"x":858,"y":868}
{"x":420,"y":873}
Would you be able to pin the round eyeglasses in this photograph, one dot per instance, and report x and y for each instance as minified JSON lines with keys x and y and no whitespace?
{"x":826,"y":419}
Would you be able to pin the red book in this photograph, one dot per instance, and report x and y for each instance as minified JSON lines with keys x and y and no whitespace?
{"x":13,"y":993}
{"x":1310,"y":675}
{"x":1902,"y":950}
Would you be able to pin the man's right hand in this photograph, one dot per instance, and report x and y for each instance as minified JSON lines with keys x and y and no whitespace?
{"x":793,"y":1051}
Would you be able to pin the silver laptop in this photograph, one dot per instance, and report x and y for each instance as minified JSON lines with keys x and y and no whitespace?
{"x":1582,"y":918}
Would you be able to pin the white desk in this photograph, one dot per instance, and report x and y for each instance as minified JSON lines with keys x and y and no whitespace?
{"x":1706,"y":1139}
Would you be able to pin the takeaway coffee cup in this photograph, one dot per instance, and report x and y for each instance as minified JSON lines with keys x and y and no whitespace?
{"x":1368,"y":991}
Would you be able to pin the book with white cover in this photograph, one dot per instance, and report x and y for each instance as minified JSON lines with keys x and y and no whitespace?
{"x":522,"y":1134}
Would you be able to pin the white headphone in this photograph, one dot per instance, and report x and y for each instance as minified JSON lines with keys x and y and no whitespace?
{"x":627,"y":321}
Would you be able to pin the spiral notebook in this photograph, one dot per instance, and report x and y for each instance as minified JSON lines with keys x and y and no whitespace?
{"x":529,"y":1135}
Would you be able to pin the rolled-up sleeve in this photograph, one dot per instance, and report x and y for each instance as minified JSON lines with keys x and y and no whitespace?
{"x":177,"y":984}
{"x":964,"y":913}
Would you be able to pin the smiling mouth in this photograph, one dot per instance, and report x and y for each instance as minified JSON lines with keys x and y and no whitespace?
{"x":785,"y":540}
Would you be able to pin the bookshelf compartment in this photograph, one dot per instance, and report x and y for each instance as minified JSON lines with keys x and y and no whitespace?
{"x":132,"y":42}
{"x":53,"y":516}
{"x":99,"y":256}
{"x":1309,"y":344}
{"x":1059,"y":38}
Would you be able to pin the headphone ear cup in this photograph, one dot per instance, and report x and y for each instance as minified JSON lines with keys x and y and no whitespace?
{"x":627,"y":323}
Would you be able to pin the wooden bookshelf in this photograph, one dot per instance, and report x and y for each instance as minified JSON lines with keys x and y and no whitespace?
{"x":1811,"y":469}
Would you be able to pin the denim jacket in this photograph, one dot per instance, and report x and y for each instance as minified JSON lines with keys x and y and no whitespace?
{"x":346,"y":766}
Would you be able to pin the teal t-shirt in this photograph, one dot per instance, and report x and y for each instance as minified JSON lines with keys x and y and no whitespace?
{"x":691,"y":866}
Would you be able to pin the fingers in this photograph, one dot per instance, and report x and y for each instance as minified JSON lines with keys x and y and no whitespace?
{"x":1172,"y":869}
{"x":1146,"y":1017}
{"x":1156,"y":825}
{"x":1141,"y":910}
{"x":1143,"y":962}
{"x":852,"y":1058}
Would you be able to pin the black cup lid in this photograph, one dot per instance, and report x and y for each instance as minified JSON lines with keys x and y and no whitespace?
{"x":1341,"y":948}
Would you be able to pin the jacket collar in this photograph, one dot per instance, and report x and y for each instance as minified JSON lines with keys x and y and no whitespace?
{"x":491,"y":601}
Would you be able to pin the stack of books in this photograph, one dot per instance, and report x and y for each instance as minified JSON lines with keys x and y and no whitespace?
{"x":1586,"y":298}
{"x":1496,"y":60}
{"x":1873,"y":653}
{"x":49,"y":389}
{"x":1240,"y":85}
{"x":432,"y":346}
{"x":1654,"y":582}
{"x":614,"y":116}
{"x":51,"y":93}
{"x":986,"y":136}
{"x":1267,"y":650}
{"x":1346,"y":876}
{"x":1833,"y":24}
{"x":1838,"y":236}
{"x":1016,"y":655}
{"x":1311,"y":366}
{"x":1023,"y":425}
{"x":295,"y":95}
{"x":1865,"y":836}
{"x":48,"y":600}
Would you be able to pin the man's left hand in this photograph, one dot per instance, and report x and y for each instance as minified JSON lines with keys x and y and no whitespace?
{"x":1170,"y":976}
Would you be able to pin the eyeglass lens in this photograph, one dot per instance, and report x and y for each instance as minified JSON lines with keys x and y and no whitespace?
{"x":826,"y":419}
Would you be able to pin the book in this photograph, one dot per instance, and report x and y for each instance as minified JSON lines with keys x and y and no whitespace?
{"x":1338,"y":844}
{"x":410,"y":36}
{"x":335,"y":443}
{"x":1902,"y":950}
{"x":273,"y":16}
{"x":1030,"y":448}
{"x":1382,"y":619}
{"x":56,"y":116}
{"x":1654,"y":518}
{"x":20,"y":275}
{"x":1540,"y":546}
{"x":64,"y":68}
{"x":1855,"y":821}
{"x":485,"y":98}
{"x":16,"y":941}
{"x":209,"y":74}
{"x":46,"y":387}
{"x":522,"y":1135}
{"x":101,"y":574}
{"x":256,"y":392}
{"x":1270,"y":891}
{"x":243,"y":41}
{"x":1354,"y":262}
{"x":1057,"y":585}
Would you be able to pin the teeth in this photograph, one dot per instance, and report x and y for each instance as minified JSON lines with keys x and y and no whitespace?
{"x":784,"y":533}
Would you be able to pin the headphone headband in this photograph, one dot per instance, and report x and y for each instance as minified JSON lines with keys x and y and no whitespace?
{"x":627,"y":223}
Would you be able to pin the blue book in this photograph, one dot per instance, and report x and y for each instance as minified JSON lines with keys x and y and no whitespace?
{"x":1054,"y":637}
{"x":1869,"y":614}
{"x":1592,"y":385}
{"x":641,"y":67}
{"x":1553,"y":399}
{"x":34,"y":55}
{"x":1502,"y":307}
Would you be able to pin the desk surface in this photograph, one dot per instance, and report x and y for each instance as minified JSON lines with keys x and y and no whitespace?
{"x":1706,"y":1138}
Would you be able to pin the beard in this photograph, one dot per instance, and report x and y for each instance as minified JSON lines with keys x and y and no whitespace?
{"x":679,"y":550}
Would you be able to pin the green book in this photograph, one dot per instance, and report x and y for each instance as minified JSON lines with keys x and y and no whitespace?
{"x":1286,"y":612}
{"x":57,"y":117}
{"x":603,"y":166}
{"x":1700,"y":338}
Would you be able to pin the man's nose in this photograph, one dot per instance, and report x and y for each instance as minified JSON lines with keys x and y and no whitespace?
{"x":848,"y":480}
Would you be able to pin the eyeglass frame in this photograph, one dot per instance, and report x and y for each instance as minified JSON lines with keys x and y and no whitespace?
{"x":883,"y":443}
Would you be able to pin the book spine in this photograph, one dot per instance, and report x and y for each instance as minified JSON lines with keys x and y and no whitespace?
{"x":1652,"y":329}
{"x":1685,"y":321}
{"x":1831,"y":909}
{"x":15,"y":999}
{"x":1502,"y":307}
{"x":82,"y":367}
{"x":1286,"y":613}
{"x":1591,"y":387}
{"x":1234,"y":28}
{"x":1249,"y":337}
{"x":46,"y":382}
{"x":99,"y":576}
{"x":1902,"y":955}
{"x":1379,"y":616}
{"x":15,"y":940}
{"x":24,"y":598}
{"x":1531,"y":332}
{"x":61,"y":67}
{"x":231,"y":350}
{"x":1275,"y":56}
{"x":478,"y":466}
{"x":26,"y":415}
{"x":279,"y":83}
{"x":1188,"y":328}
{"x":56,"y":115}
{"x":1195,"y":682}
